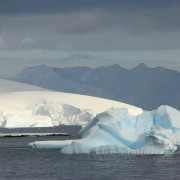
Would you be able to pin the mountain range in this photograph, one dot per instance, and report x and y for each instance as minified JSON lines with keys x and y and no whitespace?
{"x":141,"y":86}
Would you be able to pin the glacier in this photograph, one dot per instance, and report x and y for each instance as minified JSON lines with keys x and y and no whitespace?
{"x":46,"y":114}
{"x":62,"y":114}
{"x":25,"y":121}
{"x":47,"y":109}
{"x":115,"y":131}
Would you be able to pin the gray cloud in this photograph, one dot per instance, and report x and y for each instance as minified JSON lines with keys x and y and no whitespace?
{"x":80,"y":20}
{"x":91,"y":24}
{"x":89,"y":15}
{"x":26,"y":7}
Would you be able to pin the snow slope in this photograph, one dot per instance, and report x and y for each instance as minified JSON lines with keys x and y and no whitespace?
{"x":44,"y":108}
{"x":12,"y":86}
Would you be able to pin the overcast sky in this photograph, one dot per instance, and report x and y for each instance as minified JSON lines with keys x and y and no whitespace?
{"x":89,"y":32}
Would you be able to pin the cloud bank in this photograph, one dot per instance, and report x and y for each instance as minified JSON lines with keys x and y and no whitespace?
{"x":92,"y":25}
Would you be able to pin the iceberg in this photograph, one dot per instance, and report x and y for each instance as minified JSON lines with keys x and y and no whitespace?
{"x":115,"y":131}
{"x":50,"y":144}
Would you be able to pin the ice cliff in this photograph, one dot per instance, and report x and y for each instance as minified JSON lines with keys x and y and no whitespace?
{"x":46,"y":114}
{"x":46,"y":109}
{"x":115,"y":131}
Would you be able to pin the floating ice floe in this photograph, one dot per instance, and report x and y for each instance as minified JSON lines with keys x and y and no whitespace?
{"x":4,"y":135}
{"x":115,"y":131}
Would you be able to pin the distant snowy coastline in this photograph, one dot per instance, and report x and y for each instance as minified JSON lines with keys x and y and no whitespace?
{"x":37,"y":108}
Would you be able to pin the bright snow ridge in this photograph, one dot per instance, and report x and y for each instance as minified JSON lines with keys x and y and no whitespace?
{"x":116,"y":131}
{"x":12,"y":86}
{"x":47,"y":109}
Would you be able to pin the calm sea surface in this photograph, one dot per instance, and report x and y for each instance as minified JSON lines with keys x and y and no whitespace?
{"x":18,"y":161}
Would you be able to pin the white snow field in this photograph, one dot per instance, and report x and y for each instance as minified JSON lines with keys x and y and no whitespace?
{"x":115,"y":131}
{"x":37,"y":108}
{"x":12,"y":86}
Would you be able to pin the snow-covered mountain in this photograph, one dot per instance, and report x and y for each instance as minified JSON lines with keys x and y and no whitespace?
{"x":29,"y":106}
{"x":63,"y":80}
{"x":141,"y":86}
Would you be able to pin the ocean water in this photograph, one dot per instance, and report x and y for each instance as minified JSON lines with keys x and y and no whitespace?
{"x":18,"y":161}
